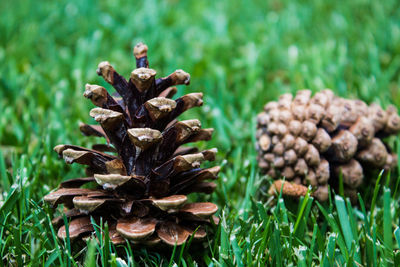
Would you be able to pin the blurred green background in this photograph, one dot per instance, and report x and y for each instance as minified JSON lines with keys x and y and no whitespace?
{"x":240,"y":54}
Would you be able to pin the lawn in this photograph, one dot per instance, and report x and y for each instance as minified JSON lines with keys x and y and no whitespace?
{"x":240,"y":54}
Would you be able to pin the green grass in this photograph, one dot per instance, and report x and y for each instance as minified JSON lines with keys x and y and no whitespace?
{"x":241,"y":54}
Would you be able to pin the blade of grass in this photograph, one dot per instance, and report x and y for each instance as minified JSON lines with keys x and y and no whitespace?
{"x":305,"y":203}
{"x":387,"y":220}
{"x":3,"y":174}
{"x":329,"y":256}
{"x":375,"y":195}
{"x":335,"y":229}
{"x":397,"y":235}
{"x":311,"y":250}
{"x":237,"y":252}
{"x":90,"y":259}
{"x":224,"y":247}
{"x":67,"y":239}
{"x":345,"y":224}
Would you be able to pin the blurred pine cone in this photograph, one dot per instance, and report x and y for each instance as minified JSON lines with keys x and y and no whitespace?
{"x":143,"y":174}
{"x":312,"y":140}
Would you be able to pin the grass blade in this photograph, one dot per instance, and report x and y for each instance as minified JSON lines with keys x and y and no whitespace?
{"x":387,"y":220}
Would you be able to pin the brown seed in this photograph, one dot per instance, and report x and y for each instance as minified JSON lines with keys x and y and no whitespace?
{"x":312,"y":156}
{"x":391,"y":162}
{"x":285,"y":116}
{"x":299,"y":112}
{"x":322,"y":193}
{"x":288,"y":173}
{"x":278,"y":149}
{"x":272,"y":128}
{"x":295,"y":127}
{"x":263,"y":164}
{"x":375,"y":154}
{"x":331,"y":120}
{"x":275,"y":139}
{"x":300,"y":146}
{"x":309,"y":130}
{"x":274,"y":115}
{"x":321,"y":99}
{"x":352,"y":173}
{"x":344,"y":145}
{"x":269,"y":157}
{"x":311,"y":179}
{"x":290,"y":157}
{"x":265,"y":142}
{"x":270,"y":106}
{"x":301,"y":167}
{"x":322,"y":172}
{"x":360,"y":108}
{"x":285,"y":104}
{"x":302,"y":97}
{"x":322,"y":141}
{"x":393,"y":124}
{"x":363,"y":130}
{"x":288,"y":189}
{"x":282,"y":129}
{"x":349,"y":112}
{"x":288,"y":141}
{"x":315,"y":113}
{"x":279,"y":162}
{"x":329,"y":93}
{"x":263,"y":119}
{"x":285,"y":101}
{"x":378,"y":116}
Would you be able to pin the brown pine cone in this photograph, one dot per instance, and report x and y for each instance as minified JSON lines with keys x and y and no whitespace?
{"x":142,"y":176}
{"x":314,"y":139}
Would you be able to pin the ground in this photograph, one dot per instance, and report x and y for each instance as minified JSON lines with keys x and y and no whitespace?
{"x":240,"y":54}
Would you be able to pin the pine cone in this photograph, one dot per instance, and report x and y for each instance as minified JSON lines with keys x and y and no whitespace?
{"x":142,"y":175}
{"x":312,"y":140}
